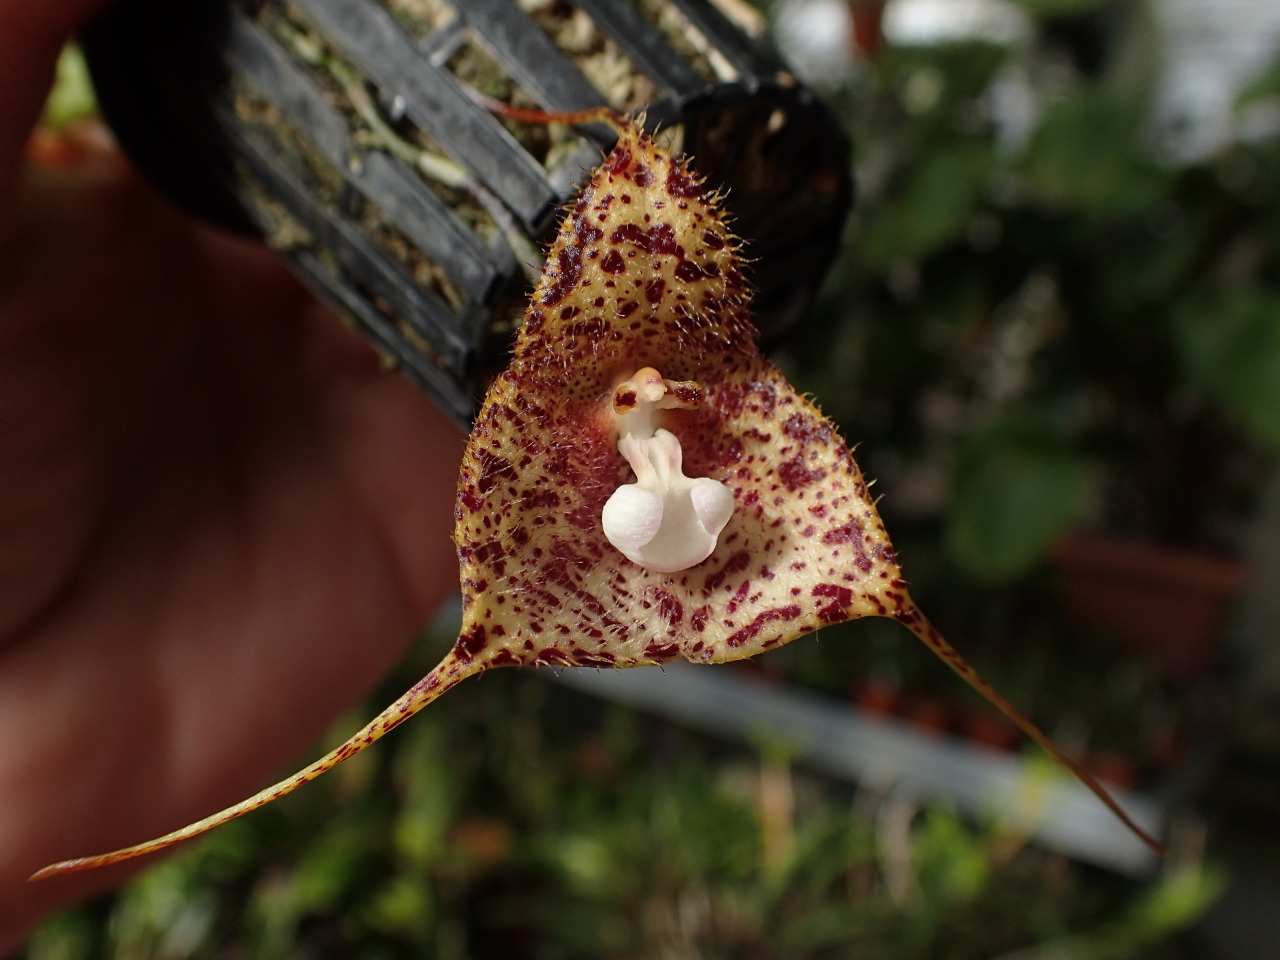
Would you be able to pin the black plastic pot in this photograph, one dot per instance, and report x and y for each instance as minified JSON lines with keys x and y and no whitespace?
{"x":343,"y":133}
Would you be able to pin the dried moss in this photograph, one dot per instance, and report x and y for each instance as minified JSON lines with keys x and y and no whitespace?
{"x":595,"y":54}
{"x":421,"y":18}
{"x":373,"y":124}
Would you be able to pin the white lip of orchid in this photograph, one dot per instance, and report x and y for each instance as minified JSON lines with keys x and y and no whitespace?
{"x":664,"y":521}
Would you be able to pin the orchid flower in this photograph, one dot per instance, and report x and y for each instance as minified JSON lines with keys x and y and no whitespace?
{"x":641,"y":484}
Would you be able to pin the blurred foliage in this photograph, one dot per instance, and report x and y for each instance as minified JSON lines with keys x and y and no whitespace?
{"x":1028,"y":331}
{"x":1048,"y":307}
{"x":518,"y":820}
{"x":1230,"y":344}
{"x":1018,"y":483}
{"x":72,"y":96}
{"x":1044,"y":321}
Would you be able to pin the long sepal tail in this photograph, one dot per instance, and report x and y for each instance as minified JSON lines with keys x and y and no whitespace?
{"x":447,"y":674}
{"x":910,"y":616}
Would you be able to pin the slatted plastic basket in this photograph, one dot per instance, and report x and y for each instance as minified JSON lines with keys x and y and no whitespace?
{"x":344,"y":133}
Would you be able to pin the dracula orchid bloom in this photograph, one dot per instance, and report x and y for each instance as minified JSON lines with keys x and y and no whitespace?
{"x":641,"y":484}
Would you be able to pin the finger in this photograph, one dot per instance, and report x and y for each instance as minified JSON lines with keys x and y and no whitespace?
{"x":32,"y":32}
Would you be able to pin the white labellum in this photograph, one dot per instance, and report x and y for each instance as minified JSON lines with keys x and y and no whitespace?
{"x":664,"y":521}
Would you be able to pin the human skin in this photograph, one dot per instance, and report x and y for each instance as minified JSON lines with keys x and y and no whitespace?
{"x":221,"y":520}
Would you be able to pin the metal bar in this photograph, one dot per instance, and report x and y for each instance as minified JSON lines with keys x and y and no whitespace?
{"x":377,"y":272}
{"x":829,"y":736}
{"x":528,"y":55}
{"x":644,"y":45}
{"x":340,"y":296}
{"x":752,"y":60}
{"x":371,"y":38}
{"x":408,"y":203}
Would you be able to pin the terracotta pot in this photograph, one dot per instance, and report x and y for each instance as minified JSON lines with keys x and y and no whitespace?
{"x":929,"y":717}
{"x":1114,"y":768}
{"x":878,"y":697}
{"x":1162,"y":601}
{"x":867,"y":16}
{"x":985,"y":726}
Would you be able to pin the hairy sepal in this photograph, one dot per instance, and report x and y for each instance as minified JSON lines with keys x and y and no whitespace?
{"x":645,"y":274}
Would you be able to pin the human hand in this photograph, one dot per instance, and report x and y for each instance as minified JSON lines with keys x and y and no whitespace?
{"x":220,"y":519}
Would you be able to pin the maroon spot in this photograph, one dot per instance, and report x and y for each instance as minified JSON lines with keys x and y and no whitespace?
{"x":543,"y":499}
{"x":698,"y":620}
{"x":662,"y":239}
{"x":618,"y":162}
{"x":752,"y":629}
{"x":592,"y":329}
{"x":627,"y":307}
{"x":654,"y":289}
{"x":806,"y":429}
{"x":489,"y":552}
{"x":630,"y":233}
{"x":641,"y":177}
{"x":690,"y":394}
{"x":849,"y":533}
{"x":688,"y":271}
{"x":735,"y":564}
{"x":493,"y":469}
{"x":841,"y":597}
{"x":613,"y":262}
{"x":739,"y":597}
{"x":567,"y":276}
{"x":680,"y":184}
{"x":795,"y":475}
{"x":713,"y":240}
{"x":669,"y":608}
{"x":472,"y":641}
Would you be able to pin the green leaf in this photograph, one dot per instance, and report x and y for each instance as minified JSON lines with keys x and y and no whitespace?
{"x":950,"y":858}
{"x":1265,"y":87}
{"x":1084,"y":154}
{"x":939,"y":198}
{"x":1230,"y":345}
{"x":1019,"y":486}
{"x":72,"y":96}
{"x":1060,"y":8}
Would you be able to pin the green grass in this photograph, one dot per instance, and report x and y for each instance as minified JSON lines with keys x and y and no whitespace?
{"x":515,"y":819}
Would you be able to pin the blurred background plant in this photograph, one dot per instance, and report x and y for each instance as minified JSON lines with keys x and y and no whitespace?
{"x":1054,"y":334}
{"x":1045,"y":317}
{"x":522,"y":820}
